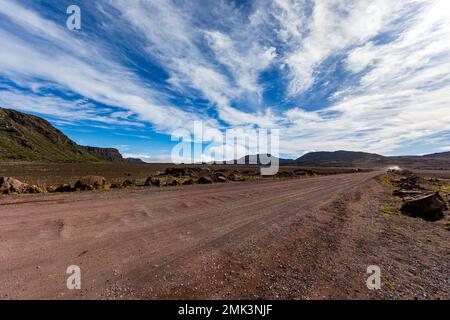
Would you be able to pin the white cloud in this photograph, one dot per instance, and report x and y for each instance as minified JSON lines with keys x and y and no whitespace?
{"x":246,"y":63}
{"x":401,"y":50}
{"x":334,"y":26}
{"x":81,"y":67}
{"x":361,"y":58}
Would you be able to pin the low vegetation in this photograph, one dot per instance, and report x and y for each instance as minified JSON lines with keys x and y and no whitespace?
{"x":390,"y":210}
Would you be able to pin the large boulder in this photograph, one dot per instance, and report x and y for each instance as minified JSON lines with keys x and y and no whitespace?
{"x":188,"y":182}
{"x":10,"y":185}
{"x":220,"y":178}
{"x":151,"y":181}
{"x":429,"y":206}
{"x":34,"y":189}
{"x":128,"y":183}
{"x":204,"y":180}
{"x":90,"y":183}
{"x":407,"y":193}
{"x":51,"y":189}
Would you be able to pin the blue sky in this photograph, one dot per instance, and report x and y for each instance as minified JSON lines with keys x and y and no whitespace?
{"x":330,"y":75}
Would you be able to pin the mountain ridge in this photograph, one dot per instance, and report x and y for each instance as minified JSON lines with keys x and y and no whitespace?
{"x":31,"y":138}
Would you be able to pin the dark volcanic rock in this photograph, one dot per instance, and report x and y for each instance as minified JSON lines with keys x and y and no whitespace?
{"x":221,"y":178}
{"x":128,"y":183}
{"x":151,"y":181}
{"x":65,"y":188}
{"x":409,"y":182}
{"x":204,"y":180}
{"x":90,"y":183}
{"x":34,"y":189}
{"x":178,"y":172}
{"x":11,"y":185}
{"x":173,"y":182}
{"x":188,"y":182}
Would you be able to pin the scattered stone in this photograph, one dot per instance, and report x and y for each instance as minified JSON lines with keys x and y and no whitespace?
{"x":409,"y":182}
{"x":151,"y":181}
{"x":10,"y":185}
{"x":235,"y":177}
{"x":188,"y":182}
{"x":221,"y":178}
{"x":34,"y":189}
{"x":90,"y":183}
{"x":65,"y":188}
{"x":51,"y":189}
{"x":429,"y":206}
{"x":204,"y":180}
{"x":128,"y":183}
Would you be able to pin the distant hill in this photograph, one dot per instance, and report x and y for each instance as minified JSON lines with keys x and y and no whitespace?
{"x":134,"y":160}
{"x":359,"y":159}
{"x":31,"y":138}
{"x":370,"y":160}
{"x":338,"y":156}
{"x":258,"y":159}
{"x":442,"y":155}
{"x":108,"y":154}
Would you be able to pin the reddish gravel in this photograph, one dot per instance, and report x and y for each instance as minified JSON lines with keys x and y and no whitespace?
{"x":296,"y":239}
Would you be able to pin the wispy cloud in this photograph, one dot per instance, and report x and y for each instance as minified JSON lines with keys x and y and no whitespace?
{"x":57,"y":59}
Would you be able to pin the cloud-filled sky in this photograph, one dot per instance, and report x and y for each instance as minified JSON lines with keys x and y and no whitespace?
{"x":329,"y":74}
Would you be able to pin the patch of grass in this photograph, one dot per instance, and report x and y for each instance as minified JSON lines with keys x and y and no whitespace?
{"x":387,"y":283}
{"x":385,"y":179}
{"x":385,"y":209}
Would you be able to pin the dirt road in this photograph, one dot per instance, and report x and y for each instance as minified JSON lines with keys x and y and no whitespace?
{"x":270,"y":239}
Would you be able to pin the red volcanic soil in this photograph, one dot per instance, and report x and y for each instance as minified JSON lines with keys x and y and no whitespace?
{"x":295,"y":239}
